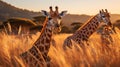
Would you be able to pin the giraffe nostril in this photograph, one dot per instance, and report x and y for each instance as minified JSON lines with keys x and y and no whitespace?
{"x":57,"y":25}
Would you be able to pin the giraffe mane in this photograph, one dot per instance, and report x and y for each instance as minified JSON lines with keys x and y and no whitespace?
{"x":87,"y":22}
{"x":44,"y":24}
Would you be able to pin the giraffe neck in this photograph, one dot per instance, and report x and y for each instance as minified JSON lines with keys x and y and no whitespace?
{"x":38,"y":52}
{"x":42,"y":44}
{"x":87,"y":29}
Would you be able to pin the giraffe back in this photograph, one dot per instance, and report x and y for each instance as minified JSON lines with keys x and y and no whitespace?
{"x":85,"y":31}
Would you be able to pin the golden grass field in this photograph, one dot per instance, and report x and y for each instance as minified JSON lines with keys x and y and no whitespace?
{"x":94,"y":55}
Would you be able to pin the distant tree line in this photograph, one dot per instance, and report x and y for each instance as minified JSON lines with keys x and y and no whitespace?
{"x":117,"y":23}
{"x":7,"y":11}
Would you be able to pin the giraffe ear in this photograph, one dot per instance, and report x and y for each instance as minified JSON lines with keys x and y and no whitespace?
{"x":45,"y":13}
{"x":100,"y":11}
{"x":63,"y":13}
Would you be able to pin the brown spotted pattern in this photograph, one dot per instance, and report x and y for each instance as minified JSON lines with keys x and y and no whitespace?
{"x":37,"y":56}
{"x":85,"y":31}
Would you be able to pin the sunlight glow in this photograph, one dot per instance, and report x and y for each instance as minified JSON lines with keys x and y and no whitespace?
{"x":74,"y":7}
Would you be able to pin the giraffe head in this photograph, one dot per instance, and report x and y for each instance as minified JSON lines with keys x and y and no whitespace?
{"x":54,"y":18}
{"x":105,"y":17}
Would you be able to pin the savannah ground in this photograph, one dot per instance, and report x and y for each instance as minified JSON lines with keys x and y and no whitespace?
{"x":95,"y":54}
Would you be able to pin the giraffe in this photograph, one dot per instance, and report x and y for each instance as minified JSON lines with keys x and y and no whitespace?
{"x":105,"y":35}
{"x":38,"y":54}
{"x":87,"y":29}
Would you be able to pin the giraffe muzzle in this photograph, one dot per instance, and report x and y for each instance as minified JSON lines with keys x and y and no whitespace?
{"x":57,"y":25}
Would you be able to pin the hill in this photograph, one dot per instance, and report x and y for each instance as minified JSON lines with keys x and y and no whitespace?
{"x":115,"y":17}
{"x":71,"y":18}
{"x":8,"y":11}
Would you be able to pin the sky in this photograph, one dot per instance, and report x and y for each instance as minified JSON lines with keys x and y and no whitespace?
{"x":89,"y":7}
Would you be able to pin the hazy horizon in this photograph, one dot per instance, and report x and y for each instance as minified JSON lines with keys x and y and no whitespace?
{"x":89,"y":7}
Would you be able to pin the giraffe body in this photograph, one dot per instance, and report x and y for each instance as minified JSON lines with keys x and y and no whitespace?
{"x":37,"y":56}
{"x":85,"y":31}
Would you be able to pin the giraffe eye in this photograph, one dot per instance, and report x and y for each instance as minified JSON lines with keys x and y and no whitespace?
{"x":103,"y":16}
{"x":49,"y":18}
{"x":59,"y":17}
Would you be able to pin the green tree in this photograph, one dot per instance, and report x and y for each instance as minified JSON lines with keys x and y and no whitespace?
{"x":75,"y":26}
{"x":117,"y":23}
{"x":65,"y":29}
{"x":39,"y":19}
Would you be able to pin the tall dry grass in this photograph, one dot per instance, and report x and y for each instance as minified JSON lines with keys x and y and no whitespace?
{"x":95,"y":54}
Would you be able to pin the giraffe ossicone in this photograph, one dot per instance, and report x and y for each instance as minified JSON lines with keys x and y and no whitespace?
{"x":87,"y":29}
{"x":37,"y":56}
